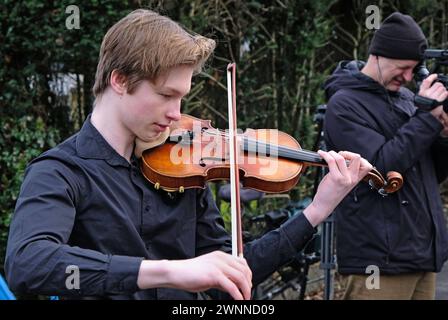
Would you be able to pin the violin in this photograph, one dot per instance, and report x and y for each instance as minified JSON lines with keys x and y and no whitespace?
{"x":269,"y":160}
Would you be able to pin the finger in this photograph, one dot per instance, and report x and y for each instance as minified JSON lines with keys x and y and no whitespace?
{"x":225,"y":284}
{"x":445,"y":125}
{"x":342,"y":163}
{"x":332,"y":166}
{"x":355,"y":163}
{"x":246,"y":269}
{"x":366,"y":166}
{"x":354,"y":166}
{"x":351,"y":155}
{"x":444,"y":133}
{"x":437,"y":86}
{"x":444,"y":118}
{"x":439,"y":93}
{"x":238,"y":263}
{"x":437,"y":111}
{"x":240,"y":280}
{"x":443,"y":95}
{"x":348,"y":155}
{"x":426,"y":84}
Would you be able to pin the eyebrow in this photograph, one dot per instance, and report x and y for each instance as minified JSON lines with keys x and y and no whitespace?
{"x":175,"y":91}
{"x":405,"y":66}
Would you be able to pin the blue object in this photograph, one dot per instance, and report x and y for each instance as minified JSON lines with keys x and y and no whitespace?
{"x":5,"y":293}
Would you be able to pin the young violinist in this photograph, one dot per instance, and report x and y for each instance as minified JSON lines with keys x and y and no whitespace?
{"x":84,"y":205}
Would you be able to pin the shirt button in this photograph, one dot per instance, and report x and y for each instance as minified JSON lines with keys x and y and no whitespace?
{"x":147,"y":208}
{"x":404,"y":203}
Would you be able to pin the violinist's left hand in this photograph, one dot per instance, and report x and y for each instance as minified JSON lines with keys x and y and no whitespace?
{"x":336,"y":184}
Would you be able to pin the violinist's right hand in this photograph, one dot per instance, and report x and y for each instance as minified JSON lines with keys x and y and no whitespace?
{"x":213,"y":270}
{"x":341,"y":179}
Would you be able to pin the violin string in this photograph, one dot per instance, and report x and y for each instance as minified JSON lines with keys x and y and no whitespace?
{"x":302,"y":155}
{"x":281,"y":151}
{"x":312,"y":153}
{"x":280,"y":148}
{"x":310,"y":156}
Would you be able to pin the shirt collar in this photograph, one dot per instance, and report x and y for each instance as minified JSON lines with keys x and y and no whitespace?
{"x":90,"y":144}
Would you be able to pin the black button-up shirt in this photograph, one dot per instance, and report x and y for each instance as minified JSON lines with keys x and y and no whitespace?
{"x":82,"y":204}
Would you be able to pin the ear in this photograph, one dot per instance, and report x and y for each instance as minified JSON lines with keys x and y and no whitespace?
{"x":118,"y":82}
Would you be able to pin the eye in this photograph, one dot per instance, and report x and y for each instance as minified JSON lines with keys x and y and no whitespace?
{"x":167,"y":96}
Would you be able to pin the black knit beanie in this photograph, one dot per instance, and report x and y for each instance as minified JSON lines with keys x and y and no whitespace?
{"x":399,"y":37}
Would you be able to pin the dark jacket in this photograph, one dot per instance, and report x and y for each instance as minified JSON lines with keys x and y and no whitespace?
{"x":83,"y":206}
{"x":405,"y":231}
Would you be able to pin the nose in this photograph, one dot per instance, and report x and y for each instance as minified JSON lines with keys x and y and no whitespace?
{"x":408,"y":74}
{"x":173,"y":113}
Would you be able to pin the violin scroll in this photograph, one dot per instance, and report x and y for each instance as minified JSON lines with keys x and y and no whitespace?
{"x":392,"y":183}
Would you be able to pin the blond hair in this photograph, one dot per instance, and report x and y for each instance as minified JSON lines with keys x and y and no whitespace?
{"x":144,"y":44}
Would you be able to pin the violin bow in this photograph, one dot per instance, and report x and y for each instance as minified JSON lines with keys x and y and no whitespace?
{"x":235,"y":204}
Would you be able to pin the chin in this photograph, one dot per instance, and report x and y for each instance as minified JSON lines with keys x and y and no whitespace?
{"x":154,"y":135}
{"x":148,"y":136}
{"x":394,"y":88}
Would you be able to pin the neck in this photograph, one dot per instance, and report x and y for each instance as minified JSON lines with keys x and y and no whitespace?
{"x":310,"y":157}
{"x":106,"y":120}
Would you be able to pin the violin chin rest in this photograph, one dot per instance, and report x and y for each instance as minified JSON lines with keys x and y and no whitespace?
{"x":141,"y":145}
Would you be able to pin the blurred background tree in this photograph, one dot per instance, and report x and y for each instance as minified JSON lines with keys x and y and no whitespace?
{"x":284,"y":50}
